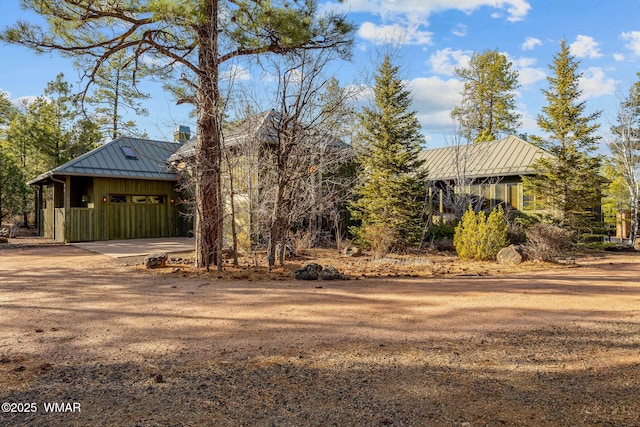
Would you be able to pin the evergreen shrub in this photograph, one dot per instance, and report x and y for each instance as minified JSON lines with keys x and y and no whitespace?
{"x":480,"y":237}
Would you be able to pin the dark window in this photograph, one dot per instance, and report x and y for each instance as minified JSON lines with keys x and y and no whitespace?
{"x":129,"y":152}
{"x":118,"y":199}
{"x":155,"y":200}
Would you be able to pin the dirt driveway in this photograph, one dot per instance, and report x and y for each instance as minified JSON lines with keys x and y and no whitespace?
{"x":119,"y":346}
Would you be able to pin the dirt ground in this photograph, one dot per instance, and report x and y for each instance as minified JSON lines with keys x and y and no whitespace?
{"x":543,"y":345}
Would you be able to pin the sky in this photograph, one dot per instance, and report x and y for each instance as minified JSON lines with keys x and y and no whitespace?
{"x":430,"y":39}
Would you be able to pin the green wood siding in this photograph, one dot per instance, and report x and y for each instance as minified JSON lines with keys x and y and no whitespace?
{"x":99,"y":219}
{"x":136,"y":221}
{"x":131,"y":220}
{"x":80,"y":225}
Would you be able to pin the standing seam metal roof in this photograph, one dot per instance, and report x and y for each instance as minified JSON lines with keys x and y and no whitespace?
{"x":509,"y":156}
{"x":110,"y":161}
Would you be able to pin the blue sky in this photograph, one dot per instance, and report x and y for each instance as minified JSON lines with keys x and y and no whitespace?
{"x":431,"y":38}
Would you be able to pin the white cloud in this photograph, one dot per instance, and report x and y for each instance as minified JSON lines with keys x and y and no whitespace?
{"x":632,"y":39}
{"x":516,"y":10}
{"x":530,"y":43}
{"x":460,"y":30}
{"x":527,"y":73}
{"x":433,"y":100}
{"x":235,"y":72}
{"x":585,"y":47}
{"x":395,"y":33}
{"x":445,"y":61}
{"x":431,"y":94}
{"x":619,"y":57}
{"x":24,"y":101}
{"x":594,"y":83}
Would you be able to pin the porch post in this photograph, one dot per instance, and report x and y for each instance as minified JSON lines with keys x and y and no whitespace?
{"x":67,"y":207}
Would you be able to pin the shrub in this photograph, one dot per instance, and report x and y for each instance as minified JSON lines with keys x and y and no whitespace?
{"x":546,"y":242}
{"x":480,"y":237}
{"x":441,"y":230}
{"x":379,"y":237}
{"x":302,"y":240}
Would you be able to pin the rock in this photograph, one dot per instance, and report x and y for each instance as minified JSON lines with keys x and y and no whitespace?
{"x":352,"y":251}
{"x":4,"y":240}
{"x":158,"y":260}
{"x":331,"y":273}
{"x":511,"y":255}
{"x":310,"y":271}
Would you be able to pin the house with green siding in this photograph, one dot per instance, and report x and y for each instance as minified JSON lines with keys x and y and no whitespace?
{"x":121,"y":190}
{"x":490,"y":173}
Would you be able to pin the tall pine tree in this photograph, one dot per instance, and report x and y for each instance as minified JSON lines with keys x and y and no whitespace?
{"x":568,"y":185}
{"x":390,"y":196}
{"x":487,"y":111}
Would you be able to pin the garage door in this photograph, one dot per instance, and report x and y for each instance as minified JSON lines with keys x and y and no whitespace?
{"x":137,"y":216}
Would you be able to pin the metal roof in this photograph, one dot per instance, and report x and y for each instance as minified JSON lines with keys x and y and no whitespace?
{"x":259,"y":126}
{"x":111,"y":161}
{"x":231,"y":134}
{"x":506,"y":157}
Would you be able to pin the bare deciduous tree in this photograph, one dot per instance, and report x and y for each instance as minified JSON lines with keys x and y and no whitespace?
{"x":626,"y":151}
{"x":194,"y":38}
{"x":299,"y":164}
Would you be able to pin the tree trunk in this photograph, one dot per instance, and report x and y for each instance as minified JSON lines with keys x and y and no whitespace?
{"x":273,"y":241}
{"x":209,"y":212}
{"x":232,"y":207}
{"x":116,"y":99}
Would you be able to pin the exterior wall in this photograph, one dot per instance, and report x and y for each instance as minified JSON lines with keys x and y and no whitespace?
{"x":92,"y":209}
{"x":243,"y":169}
{"x":135,"y":220}
{"x":47,"y":213}
{"x":505,"y":191}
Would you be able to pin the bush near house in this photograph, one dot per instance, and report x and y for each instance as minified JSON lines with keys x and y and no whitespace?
{"x":480,"y":237}
{"x":546,"y":242}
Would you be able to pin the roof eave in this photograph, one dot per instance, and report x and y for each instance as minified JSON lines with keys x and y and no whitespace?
{"x":50,"y":175}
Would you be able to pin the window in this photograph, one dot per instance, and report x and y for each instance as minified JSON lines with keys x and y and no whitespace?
{"x":118,"y":199}
{"x":513,"y":195}
{"x":501,"y":196}
{"x":138,"y":199}
{"x":129,"y":152}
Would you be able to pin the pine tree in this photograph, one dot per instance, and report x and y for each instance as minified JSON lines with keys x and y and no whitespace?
{"x":567,"y":185}
{"x":118,"y":92}
{"x":390,"y":196}
{"x":192,"y":38}
{"x":487,"y":110}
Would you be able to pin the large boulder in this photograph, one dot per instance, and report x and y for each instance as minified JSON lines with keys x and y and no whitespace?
{"x":351,"y":251}
{"x":511,"y":255}
{"x":310,"y":271}
{"x":158,"y":260}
